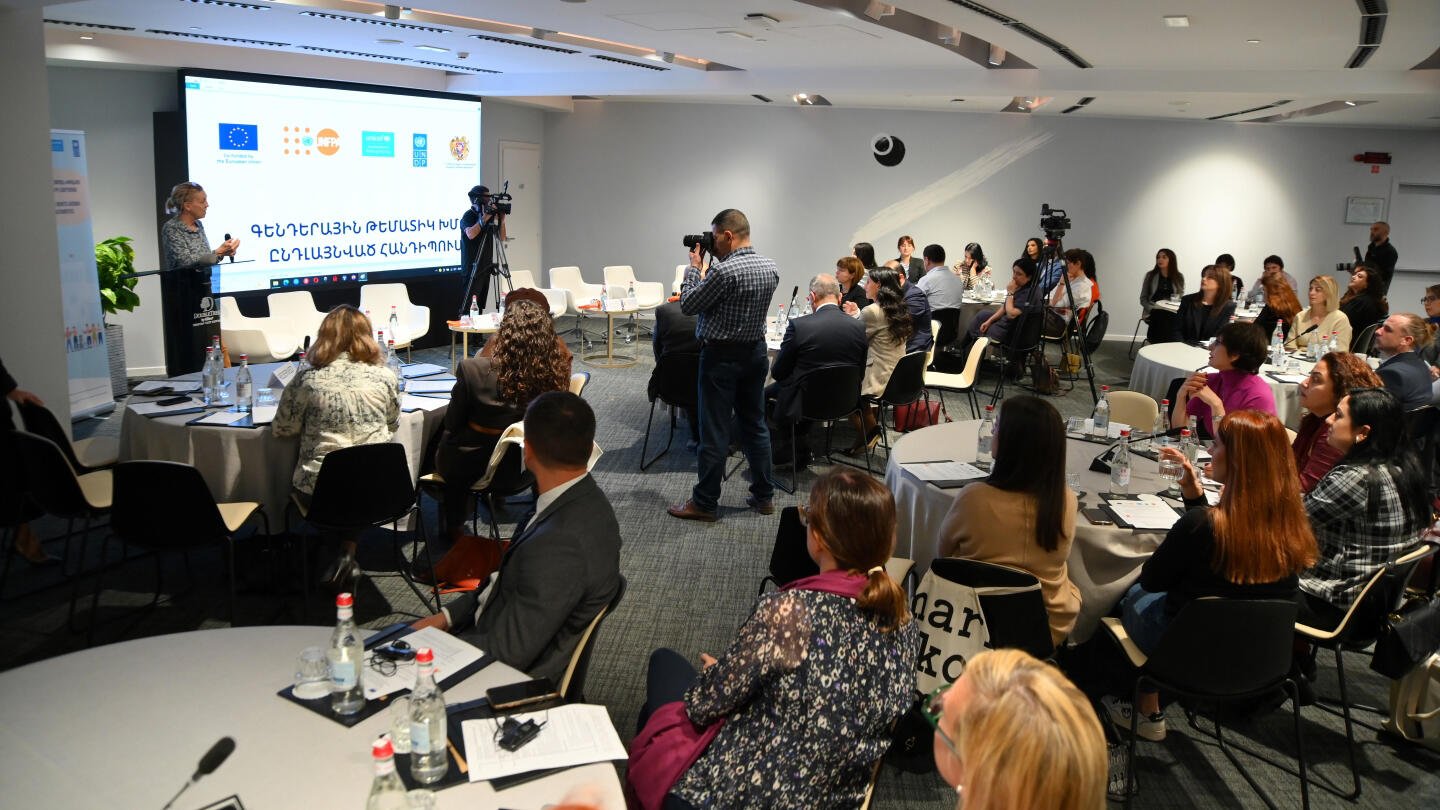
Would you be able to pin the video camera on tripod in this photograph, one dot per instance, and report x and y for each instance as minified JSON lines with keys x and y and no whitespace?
{"x":501,"y":203}
{"x":1054,"y":221}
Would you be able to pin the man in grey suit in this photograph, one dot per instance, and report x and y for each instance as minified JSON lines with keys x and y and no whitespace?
{"x":562,"y":567}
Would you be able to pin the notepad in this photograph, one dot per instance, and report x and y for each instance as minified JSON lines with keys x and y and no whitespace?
{"x":432,"y":386}
{"x":574,"y":734}
{"x":420,"y":370}
{"x":159,"y":387}
{"x":1143,"y":512}
{"x":156,"y":409}
{"x":410,"y":403}
{"x":221,"y":418}
{"x":945,"y":474}
{"x":452,"y":654}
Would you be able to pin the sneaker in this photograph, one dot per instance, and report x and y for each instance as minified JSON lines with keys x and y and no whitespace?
{"x":1151,"y":727}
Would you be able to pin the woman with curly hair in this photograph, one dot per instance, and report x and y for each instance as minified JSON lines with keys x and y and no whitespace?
{"x":888,"y":328}
{"x":490,"y":394}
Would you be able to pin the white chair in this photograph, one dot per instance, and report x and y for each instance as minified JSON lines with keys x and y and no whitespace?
{"x":679,"y":278}
{"x":648,"y":294}
{"x":264,"y":340}
{"x":1133,"y":408}
{"x":964,"y":382}
{"x":297,"y":309}
{"x":555,"y":298}
{"x":377,"y":299}
{"x":577,"y":292}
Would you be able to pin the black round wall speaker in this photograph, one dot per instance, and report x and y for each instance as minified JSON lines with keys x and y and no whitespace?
{"x":887,"y":149}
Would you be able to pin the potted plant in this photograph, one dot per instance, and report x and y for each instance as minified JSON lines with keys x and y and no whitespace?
{"x":115,"y":267}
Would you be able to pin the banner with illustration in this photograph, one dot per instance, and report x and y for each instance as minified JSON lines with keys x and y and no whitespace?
{"x":83,"y":330}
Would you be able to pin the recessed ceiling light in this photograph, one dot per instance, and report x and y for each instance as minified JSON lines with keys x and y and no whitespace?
{"x":1176,"y":21}
{"x":194,"y":28}
{"x":432,"y":49}
{"x":1349,"y":104}
{"x":87,"y":36}
{"x":1252,"y":42}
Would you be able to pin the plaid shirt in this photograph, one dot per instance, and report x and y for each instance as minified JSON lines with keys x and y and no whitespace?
{"x":1354,"y":543}
{"x":732,"y":299}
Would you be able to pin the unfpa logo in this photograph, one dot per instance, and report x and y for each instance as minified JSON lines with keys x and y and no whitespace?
{"x":301,"y":141}
{"x":327,"y":141}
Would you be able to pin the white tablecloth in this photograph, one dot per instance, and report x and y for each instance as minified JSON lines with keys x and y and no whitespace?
{"x":1159,"y":363}
{"x":124,"y":724}
{"x":1104,"y":560}
{"x":246,"y":464}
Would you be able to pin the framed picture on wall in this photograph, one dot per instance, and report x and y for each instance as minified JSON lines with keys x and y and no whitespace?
{"x":1364,"y":210}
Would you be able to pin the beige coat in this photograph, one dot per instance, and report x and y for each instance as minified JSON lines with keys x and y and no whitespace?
{"x":996,"y":526}
{"x":884,"y":352}
{"x":1335,"y":321}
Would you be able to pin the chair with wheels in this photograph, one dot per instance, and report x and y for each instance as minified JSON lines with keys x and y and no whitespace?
{"x":1014,"y":605}
{"x":296,"y":310}
{"x":84,"y":455}
{"x":359,"y":487}
{"x":1217,"y":652}
{"x":1134,"y":409}
{"x":572,"y":683}
{"x":265,"y":340}
{"x":1358,"y":629}
{"x":577,"y":294}
{"x":962,"y":383}
{"x":381,"y":299}
{"x":678,"y":377}
{"x":165,"y":506}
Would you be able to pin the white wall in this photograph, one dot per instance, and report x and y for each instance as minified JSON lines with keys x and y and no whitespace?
{"x":624,"y":181}
{"x":113,"y":108}
{"x":31,"y":332}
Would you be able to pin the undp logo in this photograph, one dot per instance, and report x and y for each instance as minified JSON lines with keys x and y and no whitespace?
{"x":419,"y":150}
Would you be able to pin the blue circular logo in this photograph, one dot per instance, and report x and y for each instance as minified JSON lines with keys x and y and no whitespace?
{"x":420,"y":141}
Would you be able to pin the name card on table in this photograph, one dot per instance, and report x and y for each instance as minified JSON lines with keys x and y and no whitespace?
{"x":283,"y":374}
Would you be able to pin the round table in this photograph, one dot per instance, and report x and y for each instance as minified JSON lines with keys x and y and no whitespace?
{"x":1173,"y":307}
{"x":1159,"y":363}
{"x":608,"y":358}
{"x":123,"y":725}
{"x":489,"y":325}
{"x":247,"y":464}
{"x":1104,"y":560}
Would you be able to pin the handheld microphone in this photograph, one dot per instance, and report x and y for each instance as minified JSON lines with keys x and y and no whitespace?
{"x":227,"y":239}
{"x":218,"y":753}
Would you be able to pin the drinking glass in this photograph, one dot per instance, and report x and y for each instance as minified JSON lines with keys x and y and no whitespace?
{"x":1170,"y":472}
{"x":312,"y":674}
{"x":1072,"y":480}
{"x":1075,"y":424}
{"x":264,"y":397}
{"x":400,"y":725}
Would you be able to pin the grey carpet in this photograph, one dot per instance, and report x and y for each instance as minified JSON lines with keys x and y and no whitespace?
{"x":690,"y":587}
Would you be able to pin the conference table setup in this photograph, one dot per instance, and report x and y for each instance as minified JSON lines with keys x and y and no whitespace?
{"x":239,"y":456}
{"x":1104,"y":559}
{"x":1157,"y":364}
{"x":129,"y":721}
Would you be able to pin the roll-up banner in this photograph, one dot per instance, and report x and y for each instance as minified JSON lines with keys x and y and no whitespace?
{"x":87,"y":362}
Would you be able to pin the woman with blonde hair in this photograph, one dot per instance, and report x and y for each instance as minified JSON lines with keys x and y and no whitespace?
{"x":491,"y":393}
{"x":1013,"y":732}
{"x":797,"y":710}
{"x":1253,"y":544}
{"x":1323,"y":316}
{"x":347,"y":397}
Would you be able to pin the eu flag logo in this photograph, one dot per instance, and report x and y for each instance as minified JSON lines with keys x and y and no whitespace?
{"x":244,"y":137}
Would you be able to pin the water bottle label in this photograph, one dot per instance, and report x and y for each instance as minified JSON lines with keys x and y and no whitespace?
{"x":343,"y":675}
{"x":420,"y":737}
{"x":1122,"y":476}
{"x":242,"y":390}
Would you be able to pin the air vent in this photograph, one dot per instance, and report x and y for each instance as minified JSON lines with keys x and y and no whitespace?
{"x":522,"y":43}
{"x":94,"y":26}
{"x":1077,"y":105}
{"x":628,"y":62}
{"x":1282,"y":102}
{"x":1373,"y":14}
{"x":457,"y":68}
{"x":760,"y":97}
{"x":360,"y":54}
{"x":1305,"y":112}
{"x":212,"y":38}
{"x":380,"y":21}
{"x":228,"y":4}
{"x":1006,"y":20}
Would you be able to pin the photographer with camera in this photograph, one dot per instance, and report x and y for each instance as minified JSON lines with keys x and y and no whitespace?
{"x":730,"y":298}
{"x":483,"y":214}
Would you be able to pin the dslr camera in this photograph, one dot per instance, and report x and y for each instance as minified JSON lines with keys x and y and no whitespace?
{"x":1053,"y":221}
{"x":706,"y":241}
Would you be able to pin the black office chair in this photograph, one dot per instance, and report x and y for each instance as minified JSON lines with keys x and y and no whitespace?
{"x":1218,"y":652}
{"x":164,"y":506}
{"x":678,"y":378}
{"x":827,"y":394}
{"x":1016,"y":615}
{"x":359,"y":487}
{"x":572,"y":683}
{"x":1022,"y":342}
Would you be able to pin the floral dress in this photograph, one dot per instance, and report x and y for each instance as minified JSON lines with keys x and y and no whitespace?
{"x":341,"y":405}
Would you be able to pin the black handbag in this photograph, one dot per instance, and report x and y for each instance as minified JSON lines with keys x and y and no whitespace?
{"x":911,"y":743}
{"x":1407,"y":637}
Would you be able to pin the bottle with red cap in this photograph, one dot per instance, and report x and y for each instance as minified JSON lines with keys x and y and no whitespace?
{"x":428,"y":761}
{"x":387,"y":792}
{"x":347,"y":656}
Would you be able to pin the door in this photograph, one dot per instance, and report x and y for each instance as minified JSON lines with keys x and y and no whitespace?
{"x":520,"y":164}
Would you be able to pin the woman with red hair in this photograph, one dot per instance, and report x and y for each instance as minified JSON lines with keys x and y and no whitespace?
{"x":1253,"y":544}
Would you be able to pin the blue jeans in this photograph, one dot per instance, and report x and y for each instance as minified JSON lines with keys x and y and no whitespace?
{"x":732,"y":390}
{"x":1143,"y":614}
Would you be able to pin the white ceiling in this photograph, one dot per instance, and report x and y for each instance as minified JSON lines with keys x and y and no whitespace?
{"x":1140,"y":67}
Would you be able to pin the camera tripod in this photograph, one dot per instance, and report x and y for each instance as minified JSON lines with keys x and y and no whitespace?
{"x":1052,"y":251}
{"x":493,"y":247}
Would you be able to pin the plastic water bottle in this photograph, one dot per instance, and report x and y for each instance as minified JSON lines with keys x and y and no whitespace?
{"x":347,"y":659}
{"x":1333,"y":344}
{"x":208,"y":394}
{"x":1158,"y":439}
{"x":394,"y":322}
{"x":1188,"y":446}
{"x":428,"y":761}
{"x":630,"y":291}
{"x":1120,"y":466}
{"x":474,"y":311}
{"x":387,"y":792}
{"x":244,"y":386}
{"x":1277,"y":344}
{"x":301,"y":365}
{"x":987,"y":431}
{"x":1102,"y":413}
{"x":604,"y":297}
{"x":392,"y":362}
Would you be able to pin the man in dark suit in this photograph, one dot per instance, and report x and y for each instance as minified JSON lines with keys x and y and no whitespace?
{"x":563,"y":566}
{"x":674,"y":334}
{"x":827,"y":337}
{"x":1405,"y":374}
{"x":1381,"y":255}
